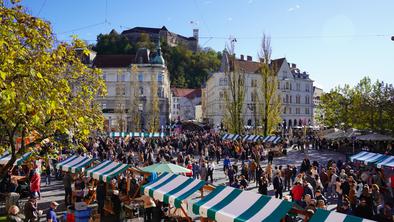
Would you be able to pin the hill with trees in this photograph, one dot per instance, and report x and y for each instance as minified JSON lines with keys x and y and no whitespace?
{"x":187,"y":69}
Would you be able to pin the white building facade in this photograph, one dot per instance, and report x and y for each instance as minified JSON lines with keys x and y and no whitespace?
{"x":295,"y":88}
{"x":124,"y":75}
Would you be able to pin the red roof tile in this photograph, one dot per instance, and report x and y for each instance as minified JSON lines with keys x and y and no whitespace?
{"x":188,"y":93}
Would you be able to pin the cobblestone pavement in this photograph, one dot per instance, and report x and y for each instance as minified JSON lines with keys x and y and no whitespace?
{"x":55,"y":191}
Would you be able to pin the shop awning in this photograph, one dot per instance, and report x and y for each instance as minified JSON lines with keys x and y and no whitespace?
{"x":329,"y":216}
{"x":227,"y":204}
{"x":7,"y":157}
{"x":172,"y":189}
{"x":74,"y":164}
{"x":106,"y":170}
{"x":251,"y":138}
{"x":230,"y":136}
{"x":272,"y":139}
{"x":367,"y":157}
{"x":388,"y":161}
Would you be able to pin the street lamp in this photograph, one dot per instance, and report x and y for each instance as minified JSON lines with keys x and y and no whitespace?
{"x":392,"y":38}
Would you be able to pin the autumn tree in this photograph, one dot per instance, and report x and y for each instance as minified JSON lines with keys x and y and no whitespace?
{"x":45,"y":89}
{"x":135,"y":100}
{"x":234,"y":94}
{"x":270,"y":103}
{"x":154,"y":112}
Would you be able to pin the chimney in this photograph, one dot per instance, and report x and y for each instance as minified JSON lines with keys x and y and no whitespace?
{"x":242,"y":57}
{"x":293,"y":65}
{"x":249,"y":58}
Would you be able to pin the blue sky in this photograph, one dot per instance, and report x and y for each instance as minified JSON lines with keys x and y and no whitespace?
{"x":335,"y":41}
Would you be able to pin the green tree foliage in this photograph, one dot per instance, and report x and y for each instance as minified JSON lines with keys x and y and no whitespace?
{"x":145,"y":42}
{"x":270,"y":103}
{"x":45,"y":89}
{"x":113,"y":43}
{"x":366,"y":106}
{"x":235,"y":93}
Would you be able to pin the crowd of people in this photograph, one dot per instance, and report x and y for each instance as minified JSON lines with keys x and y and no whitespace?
{"x":355,"y":189}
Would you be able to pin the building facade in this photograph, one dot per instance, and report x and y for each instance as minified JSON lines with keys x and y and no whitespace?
{"x":295,"y":89}
{"x":129,"y":80}
{"x":156,"y":34}
{"x":183,"y":103}
{"x":297,"y":94}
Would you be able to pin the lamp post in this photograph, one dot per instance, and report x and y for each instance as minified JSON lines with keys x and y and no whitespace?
{"x":392,"y":38}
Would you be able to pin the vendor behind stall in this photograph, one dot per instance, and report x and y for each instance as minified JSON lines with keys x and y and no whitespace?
{"x":116,"y":205}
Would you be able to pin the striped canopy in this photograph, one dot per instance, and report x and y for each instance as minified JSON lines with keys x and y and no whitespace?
{"x":367,"y":157}
{"x":272,"y":139}
{"x":7,"y":157}
{"x":230,"y":136}
{"x":136,"y":134}
{"x":329,"y":216}
{"x":251,"y":138}
{"x":227,"y":204}
{"x":388,"y":161}
{"x":172,"y":189}
{"x":74,"y":164}
{"x":106,"y":170}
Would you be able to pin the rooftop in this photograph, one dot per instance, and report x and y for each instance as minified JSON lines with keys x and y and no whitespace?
{"x":188,"y":93}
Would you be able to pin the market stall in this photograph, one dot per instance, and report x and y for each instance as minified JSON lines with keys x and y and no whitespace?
{"x":230,"y":136}
{"x":367,"y":157}
{"x":251,"y":138}
{"x":225,"y":204}
{"x":173,"y":189}
{"x":74,"y":164}
{"x":19,"y":161}
{"x":388,"y":161}
{"x":272,"y":139}
{"x":329,"y":216}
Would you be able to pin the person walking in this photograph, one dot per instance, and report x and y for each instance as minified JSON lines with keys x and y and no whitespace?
{"x":67,"y":188}
{"x":278,"y":185}
{"x":32,"y":213}
{"x":51,"y":215}
{"x":35,"y":182}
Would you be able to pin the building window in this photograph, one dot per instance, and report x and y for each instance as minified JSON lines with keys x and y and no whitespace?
{"x":307,"y":100}
{"x":289,"y":110}
{"x":291,"y":86}
{"x":306,"y":110}
{"x":174,"y":106}
{"x":221,"y":94}
{"x":254,"y":82}
{"x":307,"y":87}
{"x":223,"y":81}
{"x":291,"y":98}
{"x":104,"y":77}
{"x":278,"y":85}
{"x":120,"y":90}
{"x":253,"y":96}
{"x":178,"y":106}
{"x":160,"y":92}
{"x":298,"y":86}
{"x":141,"y":91}
{"x":287,"y":85}
{"x":284,"y":110}
{"x":160,"y":78}
{"x":297,"y":110}
{"x":140,"y":76}
{"x":287,"y":98}
{"x":103,"y":106}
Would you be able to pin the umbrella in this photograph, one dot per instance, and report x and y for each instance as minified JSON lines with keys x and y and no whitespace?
{"x":165,"y":167}
{"x":375,"y":137}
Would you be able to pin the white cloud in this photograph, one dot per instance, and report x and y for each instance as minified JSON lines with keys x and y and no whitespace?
{"x":229,"y":19}
{"x":250,"y":1}
{"x":291,"y":9}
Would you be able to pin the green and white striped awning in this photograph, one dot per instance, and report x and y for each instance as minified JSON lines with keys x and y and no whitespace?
{"x":7,"y":157}
{"x":136,"y":134}
{"x":172,"y":189}
{"x":227,"y":204}
{"x":106,"y":170}
{"x":331,"y":216}
{"x":74,"y":164}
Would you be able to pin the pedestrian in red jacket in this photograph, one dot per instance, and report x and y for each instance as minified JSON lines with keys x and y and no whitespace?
{"x":35,"y":183}
{"x":297,"y":193}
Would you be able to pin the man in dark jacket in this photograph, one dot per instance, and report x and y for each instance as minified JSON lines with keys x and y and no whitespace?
{"x":32,"y":213}
{"x":100,"y":196}
{"x":278,"y":185}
